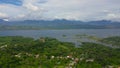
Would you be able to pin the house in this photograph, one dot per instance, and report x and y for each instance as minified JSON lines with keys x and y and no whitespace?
{"x":52,"y":57}
{"x":90,"y":60}
{"x":110,"y":66}
{"x":36,"y":56}
{"x":76,"y":60}
{"x":18,"y":55}
{"x":81,"y":59}
{"x":42,"y":40}
{"x":3,"y":46}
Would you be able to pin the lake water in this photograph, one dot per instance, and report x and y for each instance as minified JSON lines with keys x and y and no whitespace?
{"x":63,"y":35}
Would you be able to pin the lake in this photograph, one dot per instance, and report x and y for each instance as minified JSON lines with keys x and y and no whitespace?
{"x":68,"y":35}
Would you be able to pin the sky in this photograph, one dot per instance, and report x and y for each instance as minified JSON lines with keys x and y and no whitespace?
{"x":83,"y":10}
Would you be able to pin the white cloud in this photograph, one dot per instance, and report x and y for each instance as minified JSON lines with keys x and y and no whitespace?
{"x":85,"y":10}
{"x":31,"y":7}
{"x":114,"y":17}
{"x":3,"y":15}
{"x":21,"y":16}
{"x":5,"y":19}
{"x":111,"y":15}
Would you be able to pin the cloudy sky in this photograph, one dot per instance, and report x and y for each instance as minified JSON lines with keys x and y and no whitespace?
{"x":84,"y":10}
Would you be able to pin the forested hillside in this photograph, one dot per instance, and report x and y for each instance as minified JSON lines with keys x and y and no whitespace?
{"x":22,"y":52}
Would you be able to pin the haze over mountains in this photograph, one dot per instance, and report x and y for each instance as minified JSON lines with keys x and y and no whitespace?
{"x":57,"y":24}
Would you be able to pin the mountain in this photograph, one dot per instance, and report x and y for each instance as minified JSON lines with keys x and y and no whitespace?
{"x":58,"y":24}
{"x":1,"y":20}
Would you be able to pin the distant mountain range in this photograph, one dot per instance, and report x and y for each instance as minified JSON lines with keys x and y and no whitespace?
{"x":57,"y":24}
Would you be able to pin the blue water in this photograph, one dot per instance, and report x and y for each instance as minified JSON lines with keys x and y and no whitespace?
{"x":70,"y":34}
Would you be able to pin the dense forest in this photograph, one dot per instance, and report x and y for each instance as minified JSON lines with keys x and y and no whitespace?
{"x":23,"y":52}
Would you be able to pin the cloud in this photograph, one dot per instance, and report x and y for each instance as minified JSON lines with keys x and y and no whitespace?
{"x":3,"y":15}
{"x":5,"y":19}
{"x":85,"y":10}
{"x":114,"y":17}
{"x":28,"y":4}
{"x":11,"y":11}
{"x":31,"y":7}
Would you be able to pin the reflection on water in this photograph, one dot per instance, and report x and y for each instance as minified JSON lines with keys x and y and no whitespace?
{"x":73,"y":35}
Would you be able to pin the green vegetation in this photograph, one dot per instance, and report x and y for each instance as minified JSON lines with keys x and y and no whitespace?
{"x":93,"y":38}
{"x":64,"y":35}
{"x":87,"y":36}
{"x":21,"y":52}
{"x":115,"y":41}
